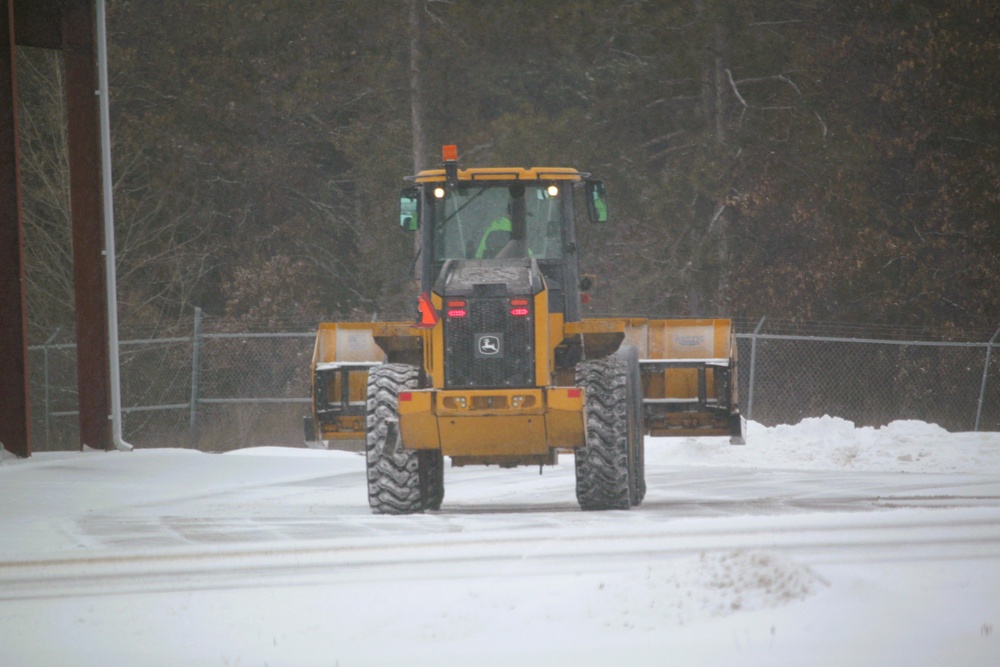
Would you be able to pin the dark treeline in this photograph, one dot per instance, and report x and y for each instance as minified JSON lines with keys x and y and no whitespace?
{"x":807,"y":160}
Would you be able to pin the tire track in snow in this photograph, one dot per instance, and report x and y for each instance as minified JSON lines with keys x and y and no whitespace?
{"x":849,"y":537}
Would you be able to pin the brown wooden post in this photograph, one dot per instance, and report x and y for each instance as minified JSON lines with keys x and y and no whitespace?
{"x":93,"y":374}
{"x":15,"y":415}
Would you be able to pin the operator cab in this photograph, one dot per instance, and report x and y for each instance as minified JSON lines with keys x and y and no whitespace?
{"x":490,"y":215}
{"x":486,"y":221}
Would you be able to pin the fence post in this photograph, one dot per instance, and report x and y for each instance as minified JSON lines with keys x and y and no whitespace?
{"x":753,"y":367}
{"x":45,"y":357}
{"x":195,"y":375}
{"x":986,"y":372}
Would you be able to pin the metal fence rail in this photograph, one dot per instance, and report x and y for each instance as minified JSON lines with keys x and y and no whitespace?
{"x":870,"y":381}
{"x":220,"y":390}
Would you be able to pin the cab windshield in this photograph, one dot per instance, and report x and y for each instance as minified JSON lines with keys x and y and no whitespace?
{"x":482,"y":221}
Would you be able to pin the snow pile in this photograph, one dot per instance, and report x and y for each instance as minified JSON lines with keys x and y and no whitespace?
{"x":831,"y":443}
{"x":745,"y":580}
{"x":714,"y":584}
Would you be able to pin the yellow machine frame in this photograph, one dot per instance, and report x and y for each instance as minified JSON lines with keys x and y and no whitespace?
{"x":688,"y":385}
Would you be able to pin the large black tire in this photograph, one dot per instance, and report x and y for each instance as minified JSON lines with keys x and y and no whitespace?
{"x":629,"y":355}
{"x":400,"y":481}
{"x":431,"y":466}
{"x":605,"y":467}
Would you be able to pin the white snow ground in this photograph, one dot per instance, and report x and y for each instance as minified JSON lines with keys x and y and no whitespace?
{"x":816,"y":544}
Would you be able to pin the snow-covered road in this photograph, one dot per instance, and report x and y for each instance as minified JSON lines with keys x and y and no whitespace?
{"x":815,"y":544}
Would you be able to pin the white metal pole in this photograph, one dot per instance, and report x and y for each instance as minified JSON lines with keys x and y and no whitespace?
{"x":986,"y":374}
{"x":111,"y":276}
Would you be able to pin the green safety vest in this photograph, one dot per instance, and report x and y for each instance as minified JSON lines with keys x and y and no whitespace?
{"x":498,"y":225}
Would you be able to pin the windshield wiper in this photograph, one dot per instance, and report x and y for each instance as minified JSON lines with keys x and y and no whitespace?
{"x":460,"y":208}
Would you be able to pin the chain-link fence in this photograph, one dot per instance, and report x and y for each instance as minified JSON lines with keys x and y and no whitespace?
{"x":218,"y":389}
{"x":213,"y":390}
{"x":785,"y":377}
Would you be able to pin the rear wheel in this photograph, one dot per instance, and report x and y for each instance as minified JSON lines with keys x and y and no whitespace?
{"x":605,"y":465}
{"x":610,"y":468}
{"x":431,"y":466}
{"x":629,"y":356}
{"x":400,"y":481}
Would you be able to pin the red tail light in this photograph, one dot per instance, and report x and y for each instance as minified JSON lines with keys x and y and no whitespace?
{"x":519,"y":307}
{"x":456,"y":309}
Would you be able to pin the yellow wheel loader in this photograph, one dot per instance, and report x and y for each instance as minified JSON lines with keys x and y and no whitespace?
{"x":500,"y":367}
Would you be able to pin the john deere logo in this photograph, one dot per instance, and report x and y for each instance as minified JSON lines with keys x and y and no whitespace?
{"x":489,"y":345}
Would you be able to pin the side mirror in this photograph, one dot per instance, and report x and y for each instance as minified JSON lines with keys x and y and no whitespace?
{"x":409,"y":209}
{"x":597,"y":201}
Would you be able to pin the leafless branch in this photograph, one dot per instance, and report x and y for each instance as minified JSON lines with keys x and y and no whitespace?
{"x":821,"y":122}
{"x":736,"y":90}
{"x":777,"y":77}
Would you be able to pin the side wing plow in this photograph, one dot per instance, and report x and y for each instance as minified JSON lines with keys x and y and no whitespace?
{"x":342,"y":356}
{"x":689,"y":377}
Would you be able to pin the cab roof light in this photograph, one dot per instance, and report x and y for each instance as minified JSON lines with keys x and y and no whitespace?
{"x":449,"y":154}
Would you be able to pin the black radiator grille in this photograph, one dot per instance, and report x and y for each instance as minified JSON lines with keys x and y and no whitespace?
{"x":489,"y":348}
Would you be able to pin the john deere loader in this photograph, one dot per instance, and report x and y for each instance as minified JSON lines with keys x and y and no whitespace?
{"x":500,"y":368}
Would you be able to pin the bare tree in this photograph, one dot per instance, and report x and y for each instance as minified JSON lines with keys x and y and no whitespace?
{"x":417,"y":9}
{"x":159,"y":255}
{"x":45,"y":188}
